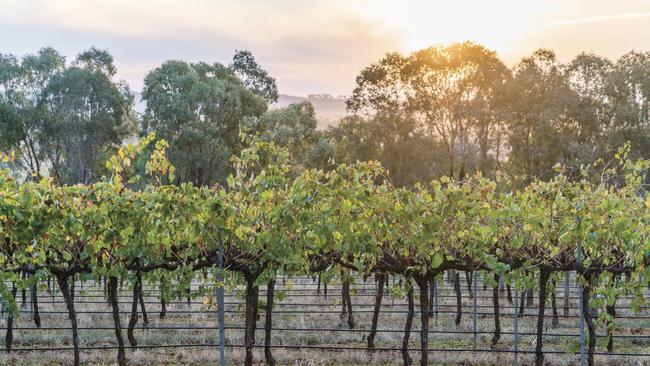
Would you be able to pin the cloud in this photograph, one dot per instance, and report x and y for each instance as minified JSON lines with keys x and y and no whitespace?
{"x":294,"y":40}
{"x":315,"y":46}
{"x":603,"y":18}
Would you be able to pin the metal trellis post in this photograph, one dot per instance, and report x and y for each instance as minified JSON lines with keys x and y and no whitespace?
{"x":567,"y":276}
{"x":515,"y":344}
{"x":220,"y":305}
{"x":435,"y":297}
{"x":582,"y":313}
{"x":474,"y":305}
{"x":579,"y":255}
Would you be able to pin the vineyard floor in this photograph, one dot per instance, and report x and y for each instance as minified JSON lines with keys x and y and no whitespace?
{"x":308,"y":329}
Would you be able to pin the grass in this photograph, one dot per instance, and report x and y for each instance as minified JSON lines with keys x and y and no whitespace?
{"x":312,"y":318}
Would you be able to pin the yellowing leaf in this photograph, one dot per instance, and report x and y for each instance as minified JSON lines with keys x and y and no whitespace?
{"x":239,"y":232}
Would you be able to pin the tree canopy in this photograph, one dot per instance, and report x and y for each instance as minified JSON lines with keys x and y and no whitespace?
{"x":452,"y":110}
{"x":63,"y":119}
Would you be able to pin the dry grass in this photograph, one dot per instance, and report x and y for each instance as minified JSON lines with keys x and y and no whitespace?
{"x":311,"y":318}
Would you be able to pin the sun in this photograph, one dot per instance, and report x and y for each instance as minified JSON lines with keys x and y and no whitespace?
{"x":496,"y":24}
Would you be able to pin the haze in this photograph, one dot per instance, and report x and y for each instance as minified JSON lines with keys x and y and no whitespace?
{"x":316,"y":46}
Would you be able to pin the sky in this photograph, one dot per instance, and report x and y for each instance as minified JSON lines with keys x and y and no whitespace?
{"x":317,"y":46}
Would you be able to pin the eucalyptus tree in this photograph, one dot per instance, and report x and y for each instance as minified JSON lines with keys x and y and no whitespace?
{"x":538,"y":100}
{"x":575,"y":113}
{"x":630,"y":95}
{"x":63,"y":120}
{"x":254,"y":76}
{"x":392,"y":138}
{"x":86,"y":115}
{"x":294,"y":128}
{"x":22,"y":81}
{"x":452,"y":93}
{"x":199,"y":109}
{"x":591,"y":109}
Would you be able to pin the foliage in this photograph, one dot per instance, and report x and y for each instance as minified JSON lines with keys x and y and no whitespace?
{"x":199,"y":109}
{"x":488,"y":118}
{"x":62,"y":119}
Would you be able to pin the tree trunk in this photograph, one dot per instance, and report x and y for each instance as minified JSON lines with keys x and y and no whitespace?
{"x":501,"y":285}
{"x":431,"y":297}
{"x":407,"y":327}
{"x":469,"y":276}
{"x":72,"y":287}
{"x":163,"y":302}
{"x":72,"y":315}
{"x":133,"y":320}
{"x":375,"y":315}
{"x":543,"y":281}
{"x":143,"y":310}
{"x":424,"y":320}
{"x":9,"y":335}
{"x":108,"y":300}
{"x":611,"y":311}
{"x":586,"y":310}
{"x":522,"y":303}
{"x":497,"y":321}
{"x":256,"y":312}
{"x":268,"y":325}
{"x":112,"y":296}
{"x":23,"y":292}
{"x":459,"y":301}
{"x":509,"y":294}
{"x":36,"y":315}
{"x":347,"y":302}
{"x":249,"y":330}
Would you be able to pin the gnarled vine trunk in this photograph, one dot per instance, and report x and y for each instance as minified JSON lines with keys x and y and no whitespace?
{"x":347,"y":301}
{"x":133,"y":320}
{"x":375,"y":314}
{"x":522,"y":303}
{"x":469,"y":276}
{"x":424,"y":321}
{"x":509,"y":294}
{"x":611,"y":311}
{"x":543,"y":281}
{"x":143,"y":309}
{"x":117,"y":324}
{"x":72,"y":314}
{"x":407,"y":327}
{"x":23,"y":291}
{"x":459,"y":300}
{"x":586,"y":310}
{"x":163,"y":302}
{"x":268,"y":324}
{"x":251,"y":319}
{"x":9,"y":335}
{"x":36,"y":314}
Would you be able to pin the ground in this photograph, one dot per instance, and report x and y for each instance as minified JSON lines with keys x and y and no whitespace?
{"x":307,"y":319}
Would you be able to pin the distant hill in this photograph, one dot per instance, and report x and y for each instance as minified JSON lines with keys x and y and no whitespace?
{"x":329,"y":109}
